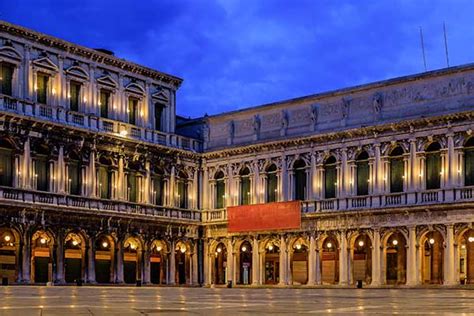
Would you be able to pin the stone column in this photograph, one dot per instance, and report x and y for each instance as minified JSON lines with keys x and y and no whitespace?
{"x":61,"y":173}
{"x":449,"y":258}
{"x":26,"y":256}
{"x":283,"y":259}
{"x":172,"y":280}
{"x":171,"y":189}
{"x":318,"y":266}
{"x":284,"y":180}
{"x":121,"y":185}
{"x":411,"y":257}
{"x":410,"y":172}
{"x":27,"y":162}
{"x":119,"y":260}
{"x":195,"y":279}
{"x":205,"y":187}
{"x":92,"y":175}
{"x":311,"y":261}
{"x":255,"y":262}
{"x":146,"y":266}
{"x":378,"y":171}
{"x":206,"y":262}
{"x":376,"y":262}
{"x":91,"y":262}
{"x":60,"y":259}
{"x":230,"y":260}
{"x":147,"y":195}
{"x":343,"y":273}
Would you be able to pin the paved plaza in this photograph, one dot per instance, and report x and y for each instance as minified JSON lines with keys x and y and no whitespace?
{"x":33,"y":300}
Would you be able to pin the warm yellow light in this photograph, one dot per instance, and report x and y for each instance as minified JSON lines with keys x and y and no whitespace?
{"x":432,"y":241}
{"x":219,"y":249}
{"x":7,"y":238}
{"x":53,"y":91}
{"x":270,"y":247}
{"x":183,"y":249}
{"x":43,"y":241}
{"x":123,"y":133}
{"x":133,"y":246}
{"x":298,"y":246}
{"x":84,"y":99}
{"x":244,"y":249}
{"x":158,"y":248}
{"x":470,"y":239}
{"x":329,"y":245}
{"x":395,"y":242}
{"x":463,"y":246}
{"x":75,"y":243}
{"x":361,"y":243}
{"x":105,"y":244}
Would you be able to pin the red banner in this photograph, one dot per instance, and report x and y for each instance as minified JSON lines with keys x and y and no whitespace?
{"x":269,"y":216}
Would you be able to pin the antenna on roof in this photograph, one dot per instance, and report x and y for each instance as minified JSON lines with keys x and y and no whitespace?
{"x":446,"y":44}
{"x":423,"y":47}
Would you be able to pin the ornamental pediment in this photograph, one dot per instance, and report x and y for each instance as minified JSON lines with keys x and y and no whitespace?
{"x":78,"y":72}
{"x":45,"y":62}
{"x":135,"y":88}
{"x":161,"y":96}
{"x":10,"y":53}
{"x":107,"y":80}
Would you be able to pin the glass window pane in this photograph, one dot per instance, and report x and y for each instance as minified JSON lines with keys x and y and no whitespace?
{"x":132,"y":110}
{"x":105,"y":177}
{"x":132,"y":186}
{"x":104,"y":103}
{"x":330,"y":182}
{"x":42,"y":88}
{"x":6,"y":167}
{"x":182,"y":194}
{"x":469,"y":167}
{"x":396,"y":175}
{"x":75,"y":177}
{"x":433,"y":169}
{"x":271,"y":187}
{"x":158,"y":115}
{"x":42,"y":173}
{"x":244,"y":191}
{"x":220,"y":192}
{"x":362,"y":178}
{"x":158,"y":185}
{"x":74,"y":94}
{"x":300,"y":184}
{"x":6,"y":76}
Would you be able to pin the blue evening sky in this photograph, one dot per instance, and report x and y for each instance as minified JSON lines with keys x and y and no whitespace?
{"x":234,"y":54}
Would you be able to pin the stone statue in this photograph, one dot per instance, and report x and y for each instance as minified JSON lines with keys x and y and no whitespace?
{"x":378,"y":102}
{"x":346,"y":102}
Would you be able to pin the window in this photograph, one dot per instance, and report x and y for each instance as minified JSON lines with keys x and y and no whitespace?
{"x":330,"y":178}
{"x":132,"y":186}
{"x":219,"y":190}
{"x":42,"y":172}
{"x":433,"y":167}
{"x":132,"y":110}
{"x":469,"y":162}
{"x":362,"y":165}
{"x":182,"y":190}
{"x":6,"y":78}
{"x":104,"y":100}
{"x":105,"y":178}
{"x":245,"y":186}
{"x":272,"y":184}
{"x":6,"y":164}
{"x":158,"y":187}
{"x":42,"y":82}
{"x":74,"y":95}
{"x":158,"y":115}
{"x":397,"y":170}
{"x":299,"y":168}
{"x":75,"y":175}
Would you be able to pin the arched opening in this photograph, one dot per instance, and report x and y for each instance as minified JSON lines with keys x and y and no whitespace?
{"x":41,"y":257}
{"x":73,"y":258}
{"x":105,"y":178}
{"x":300,"y":182}
{"x":42,"y":168}
{"x":220,"y":264}
{"x":271,"y":184}
{"x":245,"y":263}
{"x":272,"y":263}
{"x":182,"y":184}
{"x":397,"y":170}
{"x":9,"y":244}
{"x":433,"y":166}
{"x":362,"y":259}
{"x":219,"y":194}
{"x":183,"y":262}
{"x":6,"y":163}
{"x":362,"y":174}
{"x":104,"y":259}
{"x":469,"y":162}
{"x":330,"y":178}
{"x":330,"y":261}
{"x":74,"y":171}
{"x":299,"y":263}
{"x":131,"y":260}
{"x":466,"y":257}
{"x":432,"y":254}
{"x":396,"y":259}
{"x":244,"y":186}
{"x":158,"y":183}
{"x":158,"y":262}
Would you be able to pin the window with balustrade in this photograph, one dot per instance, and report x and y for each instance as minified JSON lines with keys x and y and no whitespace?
{"x":271,"y":184}
{"x":74,"y":95}
{"x":74,"y":172}
{"x":42,"y":168}
{"x":104,"y":178}
{"x":133,"y":182}
{"x":6,"y":163}
{"x":219,"y":190}
{"x":104,"y":101}
{"x":396,"y":170}
{"x":330,"y":177}
{"x":362,"y":174}
{"x":158,"y":181}
{"x":42,"y":87}
{"x":244,"y":186}
{"x":469,"y":162}
{"x":6,"y":78}
{"x":433,"y":166}
{"x":300,"y":181}
{"x":182,"y":183}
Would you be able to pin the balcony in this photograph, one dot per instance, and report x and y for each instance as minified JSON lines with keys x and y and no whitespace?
{"x":47,"y":199}
{"x":96,"y":124}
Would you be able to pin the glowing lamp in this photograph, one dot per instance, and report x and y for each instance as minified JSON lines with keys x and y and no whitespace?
{"x":329,"y":245}
{"x":105,"y":244}
{"x":395,"y":242}
{"x":432,"y":241}
{"x":7,"y":238}
{"x":244,"y":249}
{"x":361,"y":243}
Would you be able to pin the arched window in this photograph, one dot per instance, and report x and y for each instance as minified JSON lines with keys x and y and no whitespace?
{"x":42,"y":172}
{"x":362,"y":165}
{"x":299,"y":168}
{"x":397,"y":170}
{"x":6,"y":164}
{"x":272,"y":184}
{"x":6,"y":75}
{"x":105,"y":178}
{"x":469,"y":162}
{"x":158,"y":186}
{"x":133,"y":179}
{"x":433,"y":166}
{"x":330,"y":178}
{"x":74,"y":174}
{"x":219,"y":190}
{"x":182,"y":182}
{"x":245,"y":186}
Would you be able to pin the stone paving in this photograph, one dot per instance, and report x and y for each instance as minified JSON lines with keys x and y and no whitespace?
{"x":36,"y":300}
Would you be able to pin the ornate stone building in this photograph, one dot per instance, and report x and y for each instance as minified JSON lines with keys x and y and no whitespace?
{"x":100,"y":181}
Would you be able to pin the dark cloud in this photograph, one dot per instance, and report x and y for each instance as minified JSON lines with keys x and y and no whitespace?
{"x":234,"y":54}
